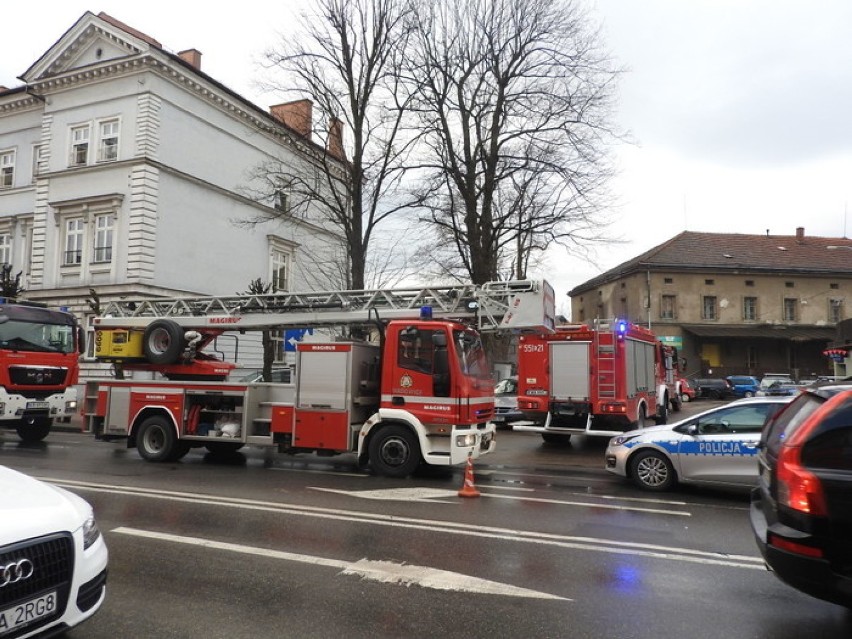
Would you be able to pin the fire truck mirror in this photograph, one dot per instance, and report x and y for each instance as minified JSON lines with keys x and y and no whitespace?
{"x":441,"y":376}
{"x":683,"y":363}
{"x":81,"y":339}
{"x":439,"y":339}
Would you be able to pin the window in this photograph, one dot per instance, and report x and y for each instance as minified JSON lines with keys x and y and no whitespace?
{"x":281,"y":202}
{"x":668,"y":305}
{"x":790,"y":304}
{"x":667,"y":280}
{"x":108,"y":145}
{"x":7,"y":169}
{"x":751,"y":357}
{"x":709,"y":282}
{"x":103,"y":238}
{"x":834,"y":286}
{"x":280,"y":270}
{"x":79,"y":146}
{"x":749,"y":308}
{"x":835,"y":310}
{"x":74,"y":229}
{"x":789,"y":284}
{"x":708,"y":307}
{"x":749,"y":282}
{"x":36,"y":160}
{"x":5,"y":248}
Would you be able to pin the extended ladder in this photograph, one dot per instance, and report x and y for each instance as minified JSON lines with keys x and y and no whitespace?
{"x":516,"y":305}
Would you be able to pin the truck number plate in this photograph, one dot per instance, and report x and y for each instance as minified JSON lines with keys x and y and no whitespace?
{"x":27,"y":612}
{"x":37,"y":405}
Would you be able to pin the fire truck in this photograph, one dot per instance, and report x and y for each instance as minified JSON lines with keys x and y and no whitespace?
{"x":598,"y":379}
{"x":39,"y":366}
{"x":418,"y":390}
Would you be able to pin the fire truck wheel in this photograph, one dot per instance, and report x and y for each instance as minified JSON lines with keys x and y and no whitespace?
{"x":163,"y":342}
{"x":663,"y":412}
{"x":556,"y":440}
{"x":684,"y":398}
{"x":156,"y":440}
{"x":394,"y":451}
{"x":35,"y":430}
{"x":652,"y":471}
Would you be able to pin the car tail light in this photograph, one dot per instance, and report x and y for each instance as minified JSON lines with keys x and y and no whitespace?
{"x":794,"y":547}
{"x":798,"y":488}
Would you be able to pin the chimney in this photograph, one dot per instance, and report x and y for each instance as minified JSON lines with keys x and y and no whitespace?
{"x":297,"y":115}
{"x":335,"y":139}
{"x":191,"y":56}
{"x":800,"y":234}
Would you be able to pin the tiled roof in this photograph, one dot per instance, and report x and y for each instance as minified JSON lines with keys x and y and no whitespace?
{"x":722,"y":252}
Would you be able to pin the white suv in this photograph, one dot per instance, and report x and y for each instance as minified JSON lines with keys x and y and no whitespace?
{"x":53,"y":559}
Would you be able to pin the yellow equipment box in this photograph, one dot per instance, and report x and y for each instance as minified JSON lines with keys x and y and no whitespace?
{"x":118,"y":344}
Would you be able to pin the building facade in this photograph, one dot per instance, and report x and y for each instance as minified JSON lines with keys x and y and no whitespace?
{"x":732,"y":303}
{"x":127,"y":171}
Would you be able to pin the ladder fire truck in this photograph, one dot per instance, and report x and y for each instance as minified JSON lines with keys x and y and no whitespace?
{"x":422,"y":393}
{"x":39,"y":366}
{"x":599,"y":379}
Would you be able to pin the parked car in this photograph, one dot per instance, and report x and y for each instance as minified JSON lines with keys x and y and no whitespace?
{"x":717,"y":446}
{"x":777,"y":384}
{"x":711,"y":388}
{"x":801,"y":511}
{"x":687,"y":392}
{"x":53,"y":559}
{"x":743,"y":385}
{"x":506,"y":402}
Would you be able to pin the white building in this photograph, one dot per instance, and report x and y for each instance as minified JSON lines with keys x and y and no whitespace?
{"x":125,"y":169}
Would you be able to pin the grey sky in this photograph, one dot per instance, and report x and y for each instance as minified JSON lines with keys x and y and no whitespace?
{"x":739,"y":108}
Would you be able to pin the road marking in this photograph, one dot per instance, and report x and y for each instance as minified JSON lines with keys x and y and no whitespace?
{"x":381,"y":571}
{"x":433,"y":495}
{"x":453,"y":528}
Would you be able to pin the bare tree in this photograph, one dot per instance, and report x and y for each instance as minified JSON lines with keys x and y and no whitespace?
{"x":347,"y":60}
{"x":258,"y":287}
{"x":514,"y":98}
{"x":10,"y":285}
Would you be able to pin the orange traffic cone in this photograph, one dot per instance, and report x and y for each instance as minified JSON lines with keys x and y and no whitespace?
{"x":468,"y":489}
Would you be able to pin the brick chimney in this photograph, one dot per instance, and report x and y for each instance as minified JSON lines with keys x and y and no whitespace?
{"x":334,"y":145}
{"x":297,"y":115}
{"x":800,"y":234}
{"x":191,"y":56}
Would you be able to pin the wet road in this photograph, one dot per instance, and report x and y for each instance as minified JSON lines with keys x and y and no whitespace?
{"x":277,"y":546}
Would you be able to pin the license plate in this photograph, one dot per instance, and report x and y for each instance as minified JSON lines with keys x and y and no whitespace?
{"x":498,"y":418}
{"x":37,"y":405}
{"x":26,"y":613}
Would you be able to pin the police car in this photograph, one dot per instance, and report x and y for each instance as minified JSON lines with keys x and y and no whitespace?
{"x":717,"y":446}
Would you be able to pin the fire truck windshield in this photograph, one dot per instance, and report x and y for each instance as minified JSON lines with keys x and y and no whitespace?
{"x":473,"y":360}
{"x":19,"y":335}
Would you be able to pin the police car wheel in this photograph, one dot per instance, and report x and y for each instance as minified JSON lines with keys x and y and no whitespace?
{"x":652,"y":471}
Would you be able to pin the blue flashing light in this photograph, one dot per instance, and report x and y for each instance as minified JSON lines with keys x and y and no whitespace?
{"x":425,"y":312}
{"x":622,"y":327}
{"x":65,"y":309}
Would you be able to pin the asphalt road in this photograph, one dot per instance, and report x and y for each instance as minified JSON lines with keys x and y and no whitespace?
{"x":263,"y":545}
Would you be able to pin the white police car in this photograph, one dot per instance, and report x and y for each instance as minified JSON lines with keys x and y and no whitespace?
{"x":53,"y":559}
{"x":717,"y":446}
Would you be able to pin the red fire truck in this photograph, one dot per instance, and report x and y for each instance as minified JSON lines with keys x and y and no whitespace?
{"x":39,"y":366}
{"x":599,"y":379}
{"x":421,"y":392}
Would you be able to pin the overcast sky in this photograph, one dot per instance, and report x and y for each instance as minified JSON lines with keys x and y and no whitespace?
{"x":741,"y":110}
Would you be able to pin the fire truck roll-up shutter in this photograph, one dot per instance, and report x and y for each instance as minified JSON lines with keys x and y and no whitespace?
{"x":569,"y":375}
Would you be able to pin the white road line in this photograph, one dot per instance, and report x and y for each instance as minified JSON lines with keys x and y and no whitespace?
{"x":431,"y":494}
{"x":380,"y":571}
{"x":456,"y":528}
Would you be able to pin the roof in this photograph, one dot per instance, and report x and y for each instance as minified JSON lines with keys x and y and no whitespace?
{"x":720,"y":252}
{"x":764,"y":331}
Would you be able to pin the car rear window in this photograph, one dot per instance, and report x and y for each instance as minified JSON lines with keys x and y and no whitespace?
{"x":785,"y":423}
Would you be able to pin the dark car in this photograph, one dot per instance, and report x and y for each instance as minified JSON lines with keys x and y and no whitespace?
{"x":711,"y":388}
{"x":743,"y":385}
{"x":801,"y":511}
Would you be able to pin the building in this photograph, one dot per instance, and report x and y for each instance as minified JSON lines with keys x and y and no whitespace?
{"x":732,"y":303}
{"x":127,"y":171}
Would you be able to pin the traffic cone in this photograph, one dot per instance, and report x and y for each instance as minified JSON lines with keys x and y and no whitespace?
{"x":468,"y":489}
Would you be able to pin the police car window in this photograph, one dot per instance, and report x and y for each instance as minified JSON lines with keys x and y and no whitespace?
{"x":741,"y":419}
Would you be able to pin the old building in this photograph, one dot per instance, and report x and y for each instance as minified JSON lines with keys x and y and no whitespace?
{"x":732,"y":303}
{"x":127,"y":170}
